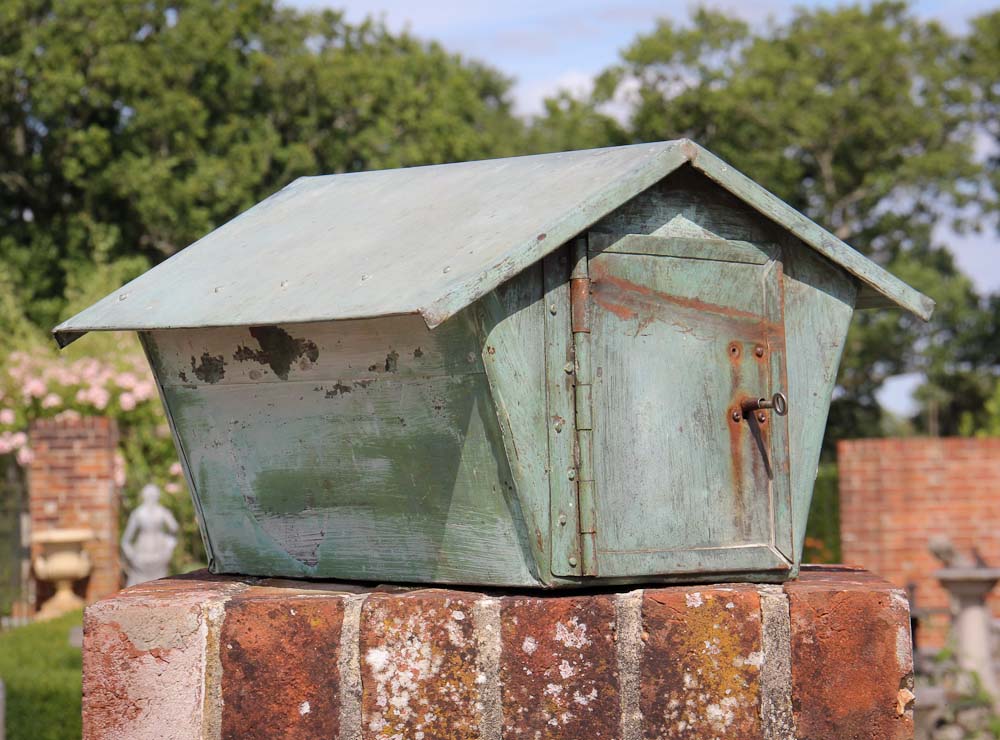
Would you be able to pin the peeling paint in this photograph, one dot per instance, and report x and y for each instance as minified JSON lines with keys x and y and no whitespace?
{"x":278,"y":350}
{"x":211,"y":369}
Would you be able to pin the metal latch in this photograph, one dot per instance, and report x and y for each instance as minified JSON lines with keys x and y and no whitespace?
{"x":778,"y":403}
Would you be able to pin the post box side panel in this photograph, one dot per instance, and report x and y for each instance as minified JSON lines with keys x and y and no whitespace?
{"x":819,"y":303}
{"x":511,"y":323}
{"x":362,"y":450}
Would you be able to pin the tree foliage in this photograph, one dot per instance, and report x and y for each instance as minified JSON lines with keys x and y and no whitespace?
{"x":132,"y":129}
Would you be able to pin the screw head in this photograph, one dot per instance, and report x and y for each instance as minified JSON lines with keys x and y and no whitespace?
{"x":736,"y":415}
{"x":758,"y":350}
{"x":571,"y":474}
{"x":562,"y":520}
{"x":569,"y":367}
{"x":559,"y":424}
{"x":572,"y":562}
{"x":761,"y":417}
{"x":552,"y":309}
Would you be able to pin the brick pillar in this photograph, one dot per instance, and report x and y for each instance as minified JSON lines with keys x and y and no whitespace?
{"x":222,"y":657}
{"x":71,"y":484}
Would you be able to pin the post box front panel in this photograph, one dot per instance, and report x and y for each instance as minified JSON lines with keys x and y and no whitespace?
{"x":678,"y":343}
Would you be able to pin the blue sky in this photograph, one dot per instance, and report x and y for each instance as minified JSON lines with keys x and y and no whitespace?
{"x":553,"y":44}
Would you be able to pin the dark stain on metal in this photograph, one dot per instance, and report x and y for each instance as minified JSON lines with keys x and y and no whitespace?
{"x":491,"y":350}
{"x":183,"y":376}
{"x":278,"y":350}
{"x":373,"y":368}
{"x":338,"y":389}
{"x":759,"y":436}
{"x":418,"y":353}
{"x":211,"y":369}
{"x":392,"y":361}
{"x":363,"y":383}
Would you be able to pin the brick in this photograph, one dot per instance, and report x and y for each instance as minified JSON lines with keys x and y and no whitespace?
{"x":559,"y":674}
{"x":145,"y":657}
{"x":418,"y":666}
{"x":852,"y":669}
{"x":284,"y":647}
{"x":701,"y":663}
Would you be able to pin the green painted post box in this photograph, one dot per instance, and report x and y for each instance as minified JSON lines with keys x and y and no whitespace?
{"x":564,"y":370}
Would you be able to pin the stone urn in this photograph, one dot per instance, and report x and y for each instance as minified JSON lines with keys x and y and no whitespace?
{"x":61,"y":560}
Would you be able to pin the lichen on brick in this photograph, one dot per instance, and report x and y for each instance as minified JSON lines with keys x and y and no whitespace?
{"x":419,"y":670}
{"x":701,"y":663}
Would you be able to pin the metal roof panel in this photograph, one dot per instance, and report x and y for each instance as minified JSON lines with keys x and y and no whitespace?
{"x":428,"y":240}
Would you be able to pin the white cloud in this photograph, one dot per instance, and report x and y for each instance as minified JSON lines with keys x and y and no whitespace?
{"x":529,"y":96}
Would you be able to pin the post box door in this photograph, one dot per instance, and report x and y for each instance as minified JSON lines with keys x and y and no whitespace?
{"x":685,"y":334}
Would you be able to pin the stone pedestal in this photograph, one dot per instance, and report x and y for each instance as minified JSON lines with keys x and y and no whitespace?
{"x":972,"y":621}
{"x":827,"y":656}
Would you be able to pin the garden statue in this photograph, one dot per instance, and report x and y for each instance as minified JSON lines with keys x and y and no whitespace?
{"x":154,"y":529}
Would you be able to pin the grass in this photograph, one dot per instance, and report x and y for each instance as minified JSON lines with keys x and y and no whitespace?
{"x":41,"y":673}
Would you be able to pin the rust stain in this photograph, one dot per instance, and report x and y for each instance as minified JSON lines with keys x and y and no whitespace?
{"x":579,"y":298}
{"x":736,"y":423}
{"x":629,"y":300}
{"x":418,"y":353}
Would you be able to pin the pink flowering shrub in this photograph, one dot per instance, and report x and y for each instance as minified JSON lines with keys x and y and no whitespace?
{"x":42,"y":384}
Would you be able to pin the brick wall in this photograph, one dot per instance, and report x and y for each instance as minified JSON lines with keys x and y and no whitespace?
{"x":895,"y":494}
{"x":71,"y":484}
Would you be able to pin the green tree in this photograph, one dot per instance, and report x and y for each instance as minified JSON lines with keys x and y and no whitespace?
{"x":861,"y":117}
{"x":132,"y":129}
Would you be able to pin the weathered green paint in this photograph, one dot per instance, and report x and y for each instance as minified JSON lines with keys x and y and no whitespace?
{"x":538,"y":435}
{"x":512,"y":327}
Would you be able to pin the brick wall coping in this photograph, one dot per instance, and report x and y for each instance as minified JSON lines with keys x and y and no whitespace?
{"x":201,"y":656}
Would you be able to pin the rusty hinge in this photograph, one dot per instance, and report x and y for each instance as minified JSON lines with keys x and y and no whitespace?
{"x":579,"y":282}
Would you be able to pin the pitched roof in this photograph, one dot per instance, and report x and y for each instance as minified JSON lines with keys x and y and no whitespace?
{"x":428,"y":240}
